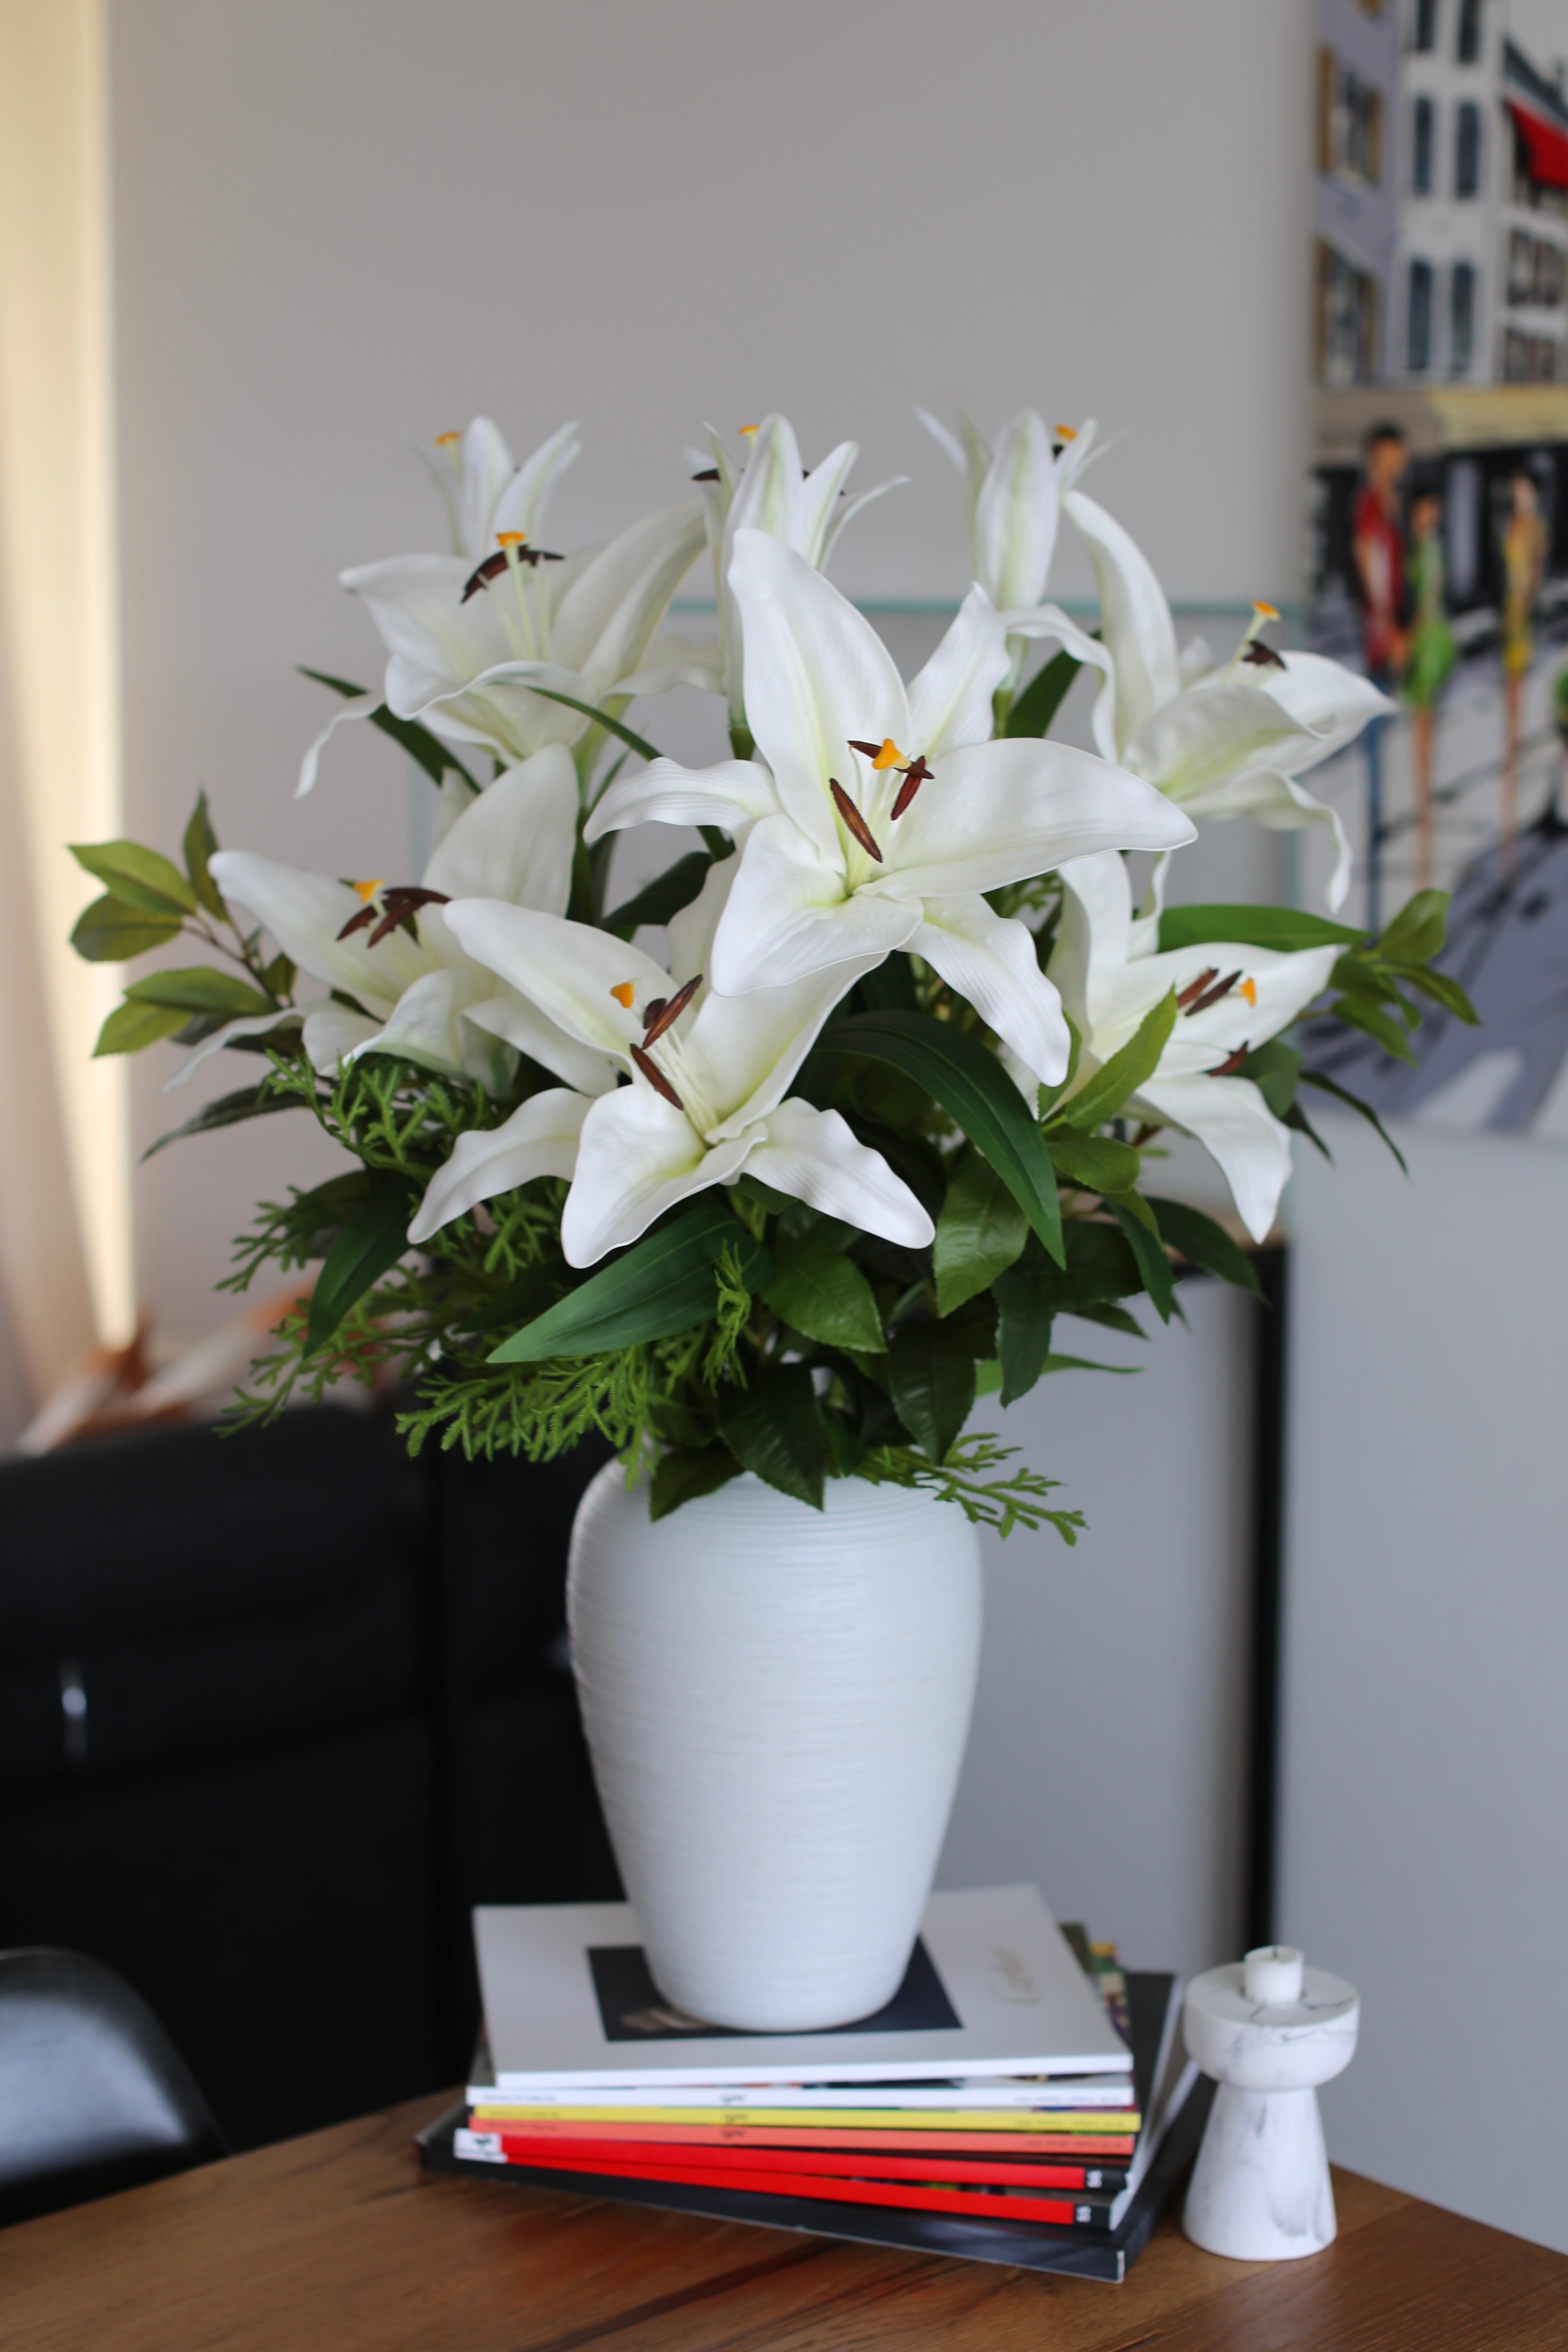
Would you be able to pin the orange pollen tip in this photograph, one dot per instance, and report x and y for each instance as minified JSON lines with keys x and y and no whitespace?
{"x":365,"y":892}
{"x":748,"y":432}
{"x":890,"y":756}
{"x":1250,"y":990}
{"x":446,"y":440}
{"x":512,"y":538}
{"x":623,"y":994}
{"x":1065,"y":432}
{"x":1265,"y":611}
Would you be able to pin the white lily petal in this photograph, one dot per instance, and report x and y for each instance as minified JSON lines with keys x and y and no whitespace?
{"x":1049,"y":621}
{"x":638,"y":1157}
{"x":568,"y":969}
{"x":1285,"y":807}
{"x":787,"y":916}
{"x":1135,"y":619}
{"x":1193,"y":662}
{"x":814,"y":1157}
{"x":1237,"y":1128}
{"x":305,"y":912}
{"x":470,"y":474}
{"x":511,"y":1018}
{"x":1093,"y":938}
{"x":516,"y":841}
{"x":818,"y":499}
{"x":364,"y":705}
{"x":997,"y":813}
{"x":732,"y":794}
{"x":1200,"y":741}
{"x":690,"y":932}
{"x":1332,"y":703}
{"x":949,"y":702}
{"x":676,"y":661}
{"x":539,"y":1139}
{"x":1015,"y":520}
{"x":949,"y":443}
{"x":846,"y":508}
{"x":525,"y":499}
{"x":332,"y":1034}
{"x":605,"y":617}
{"x":423,"y":1027}
{"x":816,"y":676}
{"x":991,"y":960}
{"x":249,"y":1024}
{"x":744,"y":1052}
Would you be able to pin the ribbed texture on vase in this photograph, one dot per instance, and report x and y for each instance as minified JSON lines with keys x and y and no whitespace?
{"x":777,"y":1701}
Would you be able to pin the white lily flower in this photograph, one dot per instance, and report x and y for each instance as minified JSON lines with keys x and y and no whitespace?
{"x":1232,"y":998}
{"x":1014,"y":497}
{"x":769,"y":489}
{"x":874,"y":817}
{"x":1220,"y":739}
{"x":393,"y":953}
{"x":486,"y":491}
{"x":710,"y":1074}
{"x":466,"y":645}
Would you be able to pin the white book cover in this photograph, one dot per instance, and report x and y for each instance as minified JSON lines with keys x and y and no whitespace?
{"x":992,"y":1989}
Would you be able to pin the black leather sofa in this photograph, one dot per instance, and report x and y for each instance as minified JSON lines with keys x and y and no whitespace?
{"x":276,"y":1709}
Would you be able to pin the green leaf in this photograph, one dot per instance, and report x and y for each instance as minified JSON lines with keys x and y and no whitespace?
{"x":109,"y":932}
{"x":1359,"y":1012}
{"x":1328,"y":1086}
{"x":615,"y":727}
{"x":661,"y":1285}
{"x":1097,"y":1163}
{"x":930,"y":1374}
{"x":1418,"y":931}
{"x":1087,"y":1364}
{"x":974,"y":1088}
{"x":1286,"y":929}
{"x":1043,"y":696}
{"x":1205,"y":1242}
{"x":200,"y":846}
{"x":980,"y":1232}
{"x":824,"y":1296}
{"x":890,"y":986}
{"x":426,"y":749}
{"x":1137,"y":1221}
{"x":130,"y":1027}
{"x":1103,"y":1095}
{"x":1445,"y":992}
{"x":250,"y":1102}
{"x":1275,"y":1070}
{"x":1112,"y":1317}
{"x":774,"y":1428}
{"x":1025,"y":1311}
{"x":681,"y":1476}
{"x":199,"y":988}
{"x":662,"y":898}
{"x":137,"y":877}
{"x":371,"y":1244}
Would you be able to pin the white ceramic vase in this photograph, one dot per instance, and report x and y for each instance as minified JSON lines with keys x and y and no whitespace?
{"x":777,"y":1701}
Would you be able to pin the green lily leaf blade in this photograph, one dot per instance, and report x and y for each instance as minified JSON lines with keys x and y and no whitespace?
{"x":616,"y":727}
{"x":1287,"y":930}
{"x":1087,"y":1364}
{"x":109,"y":932}
{"x":1206,"y":1244}
{"x":199,"y":988}
{"x":130,"y":1027}
{"x":974,"y":1090}
{"x":1025,"y":1310}
{"x":824,"y":1296}
{"x":1275,"y":1070}
{"x":665,"y":895}
{"x":1418,"y":931}
{"x":200,"y":846}
{"x":1041,"y":699}
{"x":1097,"y":1164}
{"x":686,"y":1472}
{"x":930,"y":1374}
{"x":1137,"y":1221}
{"x":1325,"y":1085}
{"x":980,"y":1232}
{"x":775,"y":1429}
{"x":1445,"y":991}
{"x":228,"y":1110}
{"x":368,"y":1246}
{"x":1359,"y":1012}
{"x":660,"y":1286}
{"x":137,"y":877}
{"x":1102,"y":1096}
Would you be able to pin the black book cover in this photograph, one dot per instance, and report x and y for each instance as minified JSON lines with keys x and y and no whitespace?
{"x":1082,"y":2253}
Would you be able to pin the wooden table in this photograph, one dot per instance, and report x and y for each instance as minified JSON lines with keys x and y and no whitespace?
{"x":338,"y":2240}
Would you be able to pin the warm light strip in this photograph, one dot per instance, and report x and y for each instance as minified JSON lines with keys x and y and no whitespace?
{"x":59,"y":566}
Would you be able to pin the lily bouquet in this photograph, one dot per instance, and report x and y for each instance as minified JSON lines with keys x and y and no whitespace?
{"x":778,"y":1163}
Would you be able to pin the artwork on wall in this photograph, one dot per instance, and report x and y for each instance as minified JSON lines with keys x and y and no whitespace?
{"x":1439,"y":510}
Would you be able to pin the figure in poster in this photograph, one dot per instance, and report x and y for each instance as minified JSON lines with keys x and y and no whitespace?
{"x":1523,"y":564}
{"x":1431,"y":653}
{"x":1379,"y":548}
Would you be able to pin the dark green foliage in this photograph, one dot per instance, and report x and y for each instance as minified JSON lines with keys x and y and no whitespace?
{"x":1037,"y":706}
{"x":666,"y":896}
{"x":1286,"y":929}
{"x":660,"y":1286}
{"x":366,"y":1247}
{"x":773,"y":1428}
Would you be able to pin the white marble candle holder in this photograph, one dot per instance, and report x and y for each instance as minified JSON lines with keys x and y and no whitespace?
{"x":1270,"y":2032}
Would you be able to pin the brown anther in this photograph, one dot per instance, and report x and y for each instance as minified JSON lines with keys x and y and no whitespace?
{"x":1196,"y":987}
{"x":358,"y":921}
{"x":709,"y":474}
{"x":1231,"y":1063}
{"x":915,"y":775}
{"x":494,"y":565}
{"x":400,"y":908}
{"x":653,"y":1011}
{"x":665,"y":1014}
{"x":1211,"y":996}
{"x":656,"y":1077}
{"x":1262,"y":656}
{"x":854,"y":821}
{"x":872,"y":750}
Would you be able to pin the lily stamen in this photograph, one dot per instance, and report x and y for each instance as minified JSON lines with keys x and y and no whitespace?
{"x":446,"y":440}
{"x":623,"y":991}
{"x":1221,"y":988}
{"x":513,"y":551}
{"x":1250,"y":990}
{"x":665,"y":1011}
{"x":915,"y":775}
{"x":656,"y":1077}
{"x":854,"y":822}
{"x":1232,"y":1062}
{"x":1196,"y":987}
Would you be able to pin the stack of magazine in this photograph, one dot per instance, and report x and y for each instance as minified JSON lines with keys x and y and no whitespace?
{"x":993,"y":2109}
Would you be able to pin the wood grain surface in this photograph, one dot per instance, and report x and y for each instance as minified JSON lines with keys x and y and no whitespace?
{"x":339,"y":2241}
